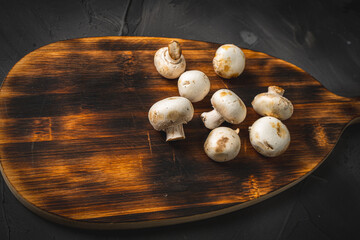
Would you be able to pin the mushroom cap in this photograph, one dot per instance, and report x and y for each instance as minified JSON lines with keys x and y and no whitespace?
{"x":222,"y":144}
{"x":229,"y":61}
{"x":169,"y":112}
{"x":273,"y":104}
{"x":193,"y":85}
{"x":168,"y":67}
{"x":229,"y":105}
{"x":269,"y":136}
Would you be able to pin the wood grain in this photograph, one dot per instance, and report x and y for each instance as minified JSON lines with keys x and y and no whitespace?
{"x":76,"y":145}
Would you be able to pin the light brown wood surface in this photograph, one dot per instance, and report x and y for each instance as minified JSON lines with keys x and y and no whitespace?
{"x":77,"y":148}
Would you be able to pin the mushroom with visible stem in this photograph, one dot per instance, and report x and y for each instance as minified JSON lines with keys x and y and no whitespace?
{"x":193,"y":85}
{"x":229,"y":61}
{"x":272,"y":103}
{"x":223,"y":144}
{"x":169,"y":61}
{"x":269,"y":136}
{"x":227,"y":107}
{"x":169,"y":115}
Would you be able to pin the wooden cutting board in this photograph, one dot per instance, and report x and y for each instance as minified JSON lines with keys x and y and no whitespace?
{"x":77,"y":148}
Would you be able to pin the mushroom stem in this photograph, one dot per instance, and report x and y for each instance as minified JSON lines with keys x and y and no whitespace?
{"x":175,"y":133}
{"x":276,"y":90}
{"x":174,"y":50}
{"x":212,"y":119}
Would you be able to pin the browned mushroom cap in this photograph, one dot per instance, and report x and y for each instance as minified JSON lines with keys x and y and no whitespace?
{"x":169,"y":61}
{"x":269,"y":136}
{"x":193,"y":85}
{"x":229,"y":61}
{"x":227,"y":107}
{"x":273,"y":104}
{"x":223,"y":144}
{"x":169,"y":115}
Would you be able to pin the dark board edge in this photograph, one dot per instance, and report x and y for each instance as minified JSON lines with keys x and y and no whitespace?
{"x":157,"y":223}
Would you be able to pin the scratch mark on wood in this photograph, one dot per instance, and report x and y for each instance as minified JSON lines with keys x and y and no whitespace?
{"x":174,"y":157}
{"x":149,"y":140}
{"x":141,"y":162}
{"x":50,"y":130}
{"x":226,"y":86}
{"x":133,"y":119}
{"x":6,"y":109}
{"x":32,"y":152}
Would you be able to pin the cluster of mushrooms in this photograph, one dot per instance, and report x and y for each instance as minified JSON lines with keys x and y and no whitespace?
{"x":268,"y":135}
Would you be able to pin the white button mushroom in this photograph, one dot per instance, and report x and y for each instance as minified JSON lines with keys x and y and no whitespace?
{"x":269,"y":136}
{"x":169,"y":61}
{"x":273,"y":104}
{"x":229,"y":61}
{"x":193,"y":85}
{"x":222,"y":144}
{"x":169,"y":115}
{"x":227,"y":107}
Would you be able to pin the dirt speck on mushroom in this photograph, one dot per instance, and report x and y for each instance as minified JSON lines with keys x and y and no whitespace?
{"x":226,"y":47}
{"x":173,"y":115}
{"x":226,"y":68}
{"x":279,"y":131}
{"x":186,"y":83}
{"x":156,"y":117}
{"x":268,"y":145}
{"x":223,"y":94}
{"x":221,"y":144}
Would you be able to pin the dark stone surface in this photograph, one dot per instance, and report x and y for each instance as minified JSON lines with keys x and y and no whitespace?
{"x":322,"y":37}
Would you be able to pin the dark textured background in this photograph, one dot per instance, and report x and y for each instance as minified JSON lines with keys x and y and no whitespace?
{"x":322,"y":37}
